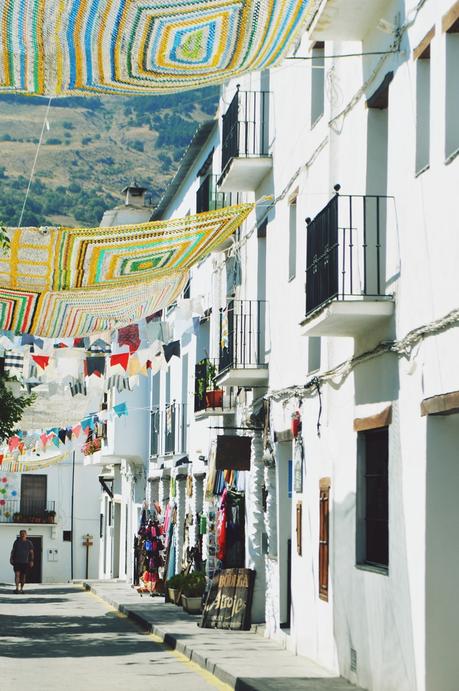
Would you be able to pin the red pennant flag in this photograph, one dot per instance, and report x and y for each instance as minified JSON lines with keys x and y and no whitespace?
{"x":120,"y":359}
{"x":41,"y":360}
{"x":1,"y":458}
{"x":44,"y":439}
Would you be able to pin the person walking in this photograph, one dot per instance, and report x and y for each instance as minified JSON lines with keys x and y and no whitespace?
{"x":21,"y":559}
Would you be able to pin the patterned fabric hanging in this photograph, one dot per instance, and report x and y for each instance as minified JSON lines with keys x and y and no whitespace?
{"x":114,"y":46}
{"x":60,"y":282}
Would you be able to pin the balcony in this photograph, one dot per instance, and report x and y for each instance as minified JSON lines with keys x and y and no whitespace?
{"x":209,"y":198}
{"x":28,"y":511}
{"x":168,"y":429}
{"x":245,"y":143}
{"x":209,"y":399}
{"x":242,"y":346}
{"x":345,"y":20}
{"x":345,"y":273}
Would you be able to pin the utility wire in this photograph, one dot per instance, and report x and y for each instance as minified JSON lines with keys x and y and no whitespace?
{"x":45,"y":120}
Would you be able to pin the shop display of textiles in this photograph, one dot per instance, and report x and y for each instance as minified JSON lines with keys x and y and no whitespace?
{"x":149,"y":557}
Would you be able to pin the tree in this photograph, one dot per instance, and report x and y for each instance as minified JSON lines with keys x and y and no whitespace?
{"x":11,"y":407}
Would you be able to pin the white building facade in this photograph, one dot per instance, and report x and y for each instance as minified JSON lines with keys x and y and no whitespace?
{"x":328,"y":324}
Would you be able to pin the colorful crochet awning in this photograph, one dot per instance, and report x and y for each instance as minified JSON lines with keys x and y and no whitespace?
{"x":60,"y":282}
{"x":140,"y":46}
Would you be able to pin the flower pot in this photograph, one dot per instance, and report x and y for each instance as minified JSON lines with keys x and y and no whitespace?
{"x":192,"y":605}
{"x":174,"y":595}
{"x":214,"y":399}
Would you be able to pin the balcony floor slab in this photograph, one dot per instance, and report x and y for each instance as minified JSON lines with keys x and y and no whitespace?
{"x":244,"y":174}
{"x":347,"y":317}
{"x":345,"y":19}
{"x":243,"y":376}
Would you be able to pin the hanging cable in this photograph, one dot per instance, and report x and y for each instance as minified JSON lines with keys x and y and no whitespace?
{"x":45,"y":120}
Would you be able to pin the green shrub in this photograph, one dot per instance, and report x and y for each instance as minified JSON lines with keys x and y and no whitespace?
{"x":194,"y":584}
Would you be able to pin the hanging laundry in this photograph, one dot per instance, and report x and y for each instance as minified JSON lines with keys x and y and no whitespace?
{"x":95,"y":365}
{"x":120,"y":359}
{"x":78,"y":387}
{"x":171,"y":349}
{"x":120,"y":409}
{"x":129,"y":335}
{"x":41,"y":360}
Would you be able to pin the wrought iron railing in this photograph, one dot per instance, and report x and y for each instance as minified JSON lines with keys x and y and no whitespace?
{"x":168,"y":429}
{"x":242,"y":334}
{"x":208,"y":198}
{"x":27,"y":511}
{"x":345,"y":253}
{"x":245,"y":126}
{"x":207,"y":395}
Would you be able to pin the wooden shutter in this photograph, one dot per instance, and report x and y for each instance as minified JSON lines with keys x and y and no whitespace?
{"x":323,"y":538}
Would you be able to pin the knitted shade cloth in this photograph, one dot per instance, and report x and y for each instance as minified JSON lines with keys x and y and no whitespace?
{"x":59,"y":282}
{"x":140,"y":46}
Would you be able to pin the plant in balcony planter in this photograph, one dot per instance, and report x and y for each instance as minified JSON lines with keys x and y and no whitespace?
{"x":174,"y":588}
{"x":213,"y":395}
{"x":50,"y":516}
{"x":193,"y":589}
{"x":17,"y":517}
{"x":91,"y":446}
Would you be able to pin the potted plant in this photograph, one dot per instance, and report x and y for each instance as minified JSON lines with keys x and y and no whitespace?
{"x":17,"y":518}
{"x":214,"y":396}
{"x":51,"y":516}
{"x":174,"y":588}
{"x":91,"y":446}
{"x":194,"y":586}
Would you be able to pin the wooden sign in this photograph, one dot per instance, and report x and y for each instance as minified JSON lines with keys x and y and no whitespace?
{"x":233,"y":452}
{"x":229,"y":600}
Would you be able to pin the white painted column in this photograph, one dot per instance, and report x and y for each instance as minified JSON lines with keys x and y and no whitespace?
{"x":164,"y":490}
{"x":255,"y":522}
{"x":180,"y":498}
{"x":271,"y":562}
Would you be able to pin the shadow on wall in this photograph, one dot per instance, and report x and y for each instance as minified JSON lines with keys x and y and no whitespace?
{"x":372,"y":611}
{"x":442,"y":553}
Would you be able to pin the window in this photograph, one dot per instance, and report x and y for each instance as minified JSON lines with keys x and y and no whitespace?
{"x":451,"y":27}
{"x":317,"y":82}
{"x":373,"y":498}
{"x":33,"y":494}
{"x":323,"y":538}
{"x":292,"y":240}
{"x":422,"y":56}
{"x":314,"y":347}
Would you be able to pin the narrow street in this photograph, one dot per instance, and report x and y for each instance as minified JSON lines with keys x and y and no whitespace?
{"x":60,"y":636}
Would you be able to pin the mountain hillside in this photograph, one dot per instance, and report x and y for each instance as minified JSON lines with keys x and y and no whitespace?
{"x":91,"y":148}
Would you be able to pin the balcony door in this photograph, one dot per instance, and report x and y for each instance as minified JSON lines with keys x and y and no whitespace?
{"x":33,"y":495}
{"x":322,"y":257}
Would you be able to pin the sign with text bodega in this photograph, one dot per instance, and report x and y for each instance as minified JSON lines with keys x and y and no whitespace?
{"x":229,"y":600}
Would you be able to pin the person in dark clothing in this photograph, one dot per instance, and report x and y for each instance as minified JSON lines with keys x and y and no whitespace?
{"x":21,"y":559}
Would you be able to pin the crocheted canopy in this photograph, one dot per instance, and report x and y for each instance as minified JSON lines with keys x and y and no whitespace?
{"x":59,"y":282}
{"x":140,"y":46}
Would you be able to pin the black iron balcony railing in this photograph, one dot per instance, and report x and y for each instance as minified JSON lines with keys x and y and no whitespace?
{"x":242,"y":329}
{"x":28,"y":511}
{"x":345,"y":253}
{"x":168,"y":429}
{"x":208,"y":198}
{"x":207,"y":395}
{"x":245,"y":126}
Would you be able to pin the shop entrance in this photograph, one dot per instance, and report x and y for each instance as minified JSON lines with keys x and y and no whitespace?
{"x":34,"y":575}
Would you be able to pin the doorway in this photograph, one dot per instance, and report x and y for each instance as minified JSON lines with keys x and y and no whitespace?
{"x":34,"y":575}
{"x":284,"y":466}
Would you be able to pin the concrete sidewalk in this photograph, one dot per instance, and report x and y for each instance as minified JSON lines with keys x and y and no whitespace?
{"x":242,"y":659}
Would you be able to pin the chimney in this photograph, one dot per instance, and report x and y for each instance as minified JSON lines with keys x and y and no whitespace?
{"x":135,"y":194}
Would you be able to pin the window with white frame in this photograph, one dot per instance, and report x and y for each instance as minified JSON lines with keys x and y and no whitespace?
{"x":450,"y":25}
{"x":422,"y":57}
{"x":292,"y":240}
{"x":317,"y":82}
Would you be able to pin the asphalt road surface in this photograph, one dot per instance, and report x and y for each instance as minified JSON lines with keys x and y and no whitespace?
{"x":61,"y":637}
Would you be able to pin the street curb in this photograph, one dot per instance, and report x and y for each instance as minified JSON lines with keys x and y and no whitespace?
{"x":173,"y":643}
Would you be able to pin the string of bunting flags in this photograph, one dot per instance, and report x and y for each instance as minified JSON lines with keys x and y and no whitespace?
{"x":115,"y":360}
